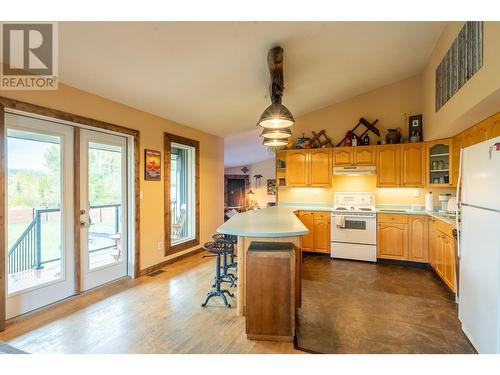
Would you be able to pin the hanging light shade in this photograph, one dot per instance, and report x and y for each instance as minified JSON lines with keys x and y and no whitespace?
{"x":274,"y":142}
{"x":276,"y":133}
{"x":276,"y":116}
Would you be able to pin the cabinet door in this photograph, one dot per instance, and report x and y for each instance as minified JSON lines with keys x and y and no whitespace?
{"x":495,"y":127}
{"x":343,"y":156}
{"x":439,"y":163}
{"x":418,"y":249}
{"x":439,"y":252}
{"x":468,"y":137}
{"x":321,"y":232}
{"x":365,"y":155}
{"x":449,"y":262}
{"x":320,"y":167}
{"x":389,"y":166}
{"x":297,"y":172}
{"x":457,"y":144}
{"x":413,"y":161}
{"x":392,"y":241}
{"x":481,"y":132}
{"x":307,"y":218}
{"x":432,"y":243}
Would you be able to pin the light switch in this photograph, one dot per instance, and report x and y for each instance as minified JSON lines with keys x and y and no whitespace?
{"x":416,"y":193}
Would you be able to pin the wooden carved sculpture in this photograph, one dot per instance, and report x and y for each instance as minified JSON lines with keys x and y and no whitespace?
{"x":275,"y":64}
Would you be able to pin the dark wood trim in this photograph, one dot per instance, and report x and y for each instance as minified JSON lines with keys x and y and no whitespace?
{"x":168,"y":139}
{"x":54,"y":113}
{"x":158,"y":266}
{"x":3,"y":281}
{"x":60,"y":115}
{"x":77,"y":207}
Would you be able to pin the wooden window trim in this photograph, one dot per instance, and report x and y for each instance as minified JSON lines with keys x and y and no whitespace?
{"x":168,"y":139}
{"x":8,"y":103}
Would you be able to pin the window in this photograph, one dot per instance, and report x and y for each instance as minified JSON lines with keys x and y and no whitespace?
{"x":181,"y":193}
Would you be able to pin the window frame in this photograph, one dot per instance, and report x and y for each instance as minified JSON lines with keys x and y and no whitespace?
{"x":169,"y":138}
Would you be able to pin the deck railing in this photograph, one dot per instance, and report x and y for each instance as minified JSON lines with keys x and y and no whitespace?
{"x":26,"y":252}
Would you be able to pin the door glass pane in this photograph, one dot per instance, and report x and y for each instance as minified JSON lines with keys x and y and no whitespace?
{"x":105,"y":186}
{"x":34,"y":231}
{"x":182,"y":194}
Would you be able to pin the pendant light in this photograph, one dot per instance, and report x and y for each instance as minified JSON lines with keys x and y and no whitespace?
{"x":276,"y":119}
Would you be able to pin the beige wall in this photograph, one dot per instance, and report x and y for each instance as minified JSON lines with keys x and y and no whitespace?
{"x":389,"y":104}
{"x":152,"y":127}
{"x":268,"y":170}
{"x":476,"y":100}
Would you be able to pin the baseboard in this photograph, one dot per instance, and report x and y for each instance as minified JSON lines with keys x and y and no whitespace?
{"x":405,"y":263}
{"x":158,"y":266}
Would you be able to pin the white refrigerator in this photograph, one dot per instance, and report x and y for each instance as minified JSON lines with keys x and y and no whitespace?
{"x":479,"y":245}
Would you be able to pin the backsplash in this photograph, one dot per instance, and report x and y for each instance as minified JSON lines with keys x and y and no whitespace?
{"x":404,"y":196}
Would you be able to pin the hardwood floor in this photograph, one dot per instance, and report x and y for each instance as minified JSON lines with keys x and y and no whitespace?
{"x":348,"y":307}
{"x":160,"y":314}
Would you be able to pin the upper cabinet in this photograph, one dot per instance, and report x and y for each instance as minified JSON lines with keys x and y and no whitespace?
{"x":389,"y":165}
{"x":439,"y":163}
{"x":297,"y":173}
{"x":413,"y":165}
{"x":343,"y":156}
{"x":456,"y":145}
{"x":320,"y":167}
{"x":311,"y":167}
{"x":354,"y":155}
{"x":365,"y":155}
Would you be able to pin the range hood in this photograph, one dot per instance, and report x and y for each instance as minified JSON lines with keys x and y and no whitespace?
{"x":354,"y":170}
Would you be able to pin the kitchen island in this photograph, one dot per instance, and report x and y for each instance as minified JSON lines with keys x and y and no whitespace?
{"x":273,"y":224}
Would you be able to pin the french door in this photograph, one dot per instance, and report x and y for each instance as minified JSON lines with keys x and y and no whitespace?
{"x":40,"y":219}
{"x":41,"y":180}
{"x":103,"y":207}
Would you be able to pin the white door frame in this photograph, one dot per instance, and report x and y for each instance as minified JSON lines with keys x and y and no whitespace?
{"x":35,"y":297}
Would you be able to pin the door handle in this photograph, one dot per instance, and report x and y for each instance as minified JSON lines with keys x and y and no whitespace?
{"x":85,"y":220}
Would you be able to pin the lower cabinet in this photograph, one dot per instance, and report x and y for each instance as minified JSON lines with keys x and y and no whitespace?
{"x":442,"y":252}
{"x":402,"y":237}
{"x":318,"y":224}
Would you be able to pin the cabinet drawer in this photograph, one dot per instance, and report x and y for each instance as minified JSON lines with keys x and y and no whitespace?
{"x":323,"y":215}
{"x":392,"y":218}
{"x":443,"y":227}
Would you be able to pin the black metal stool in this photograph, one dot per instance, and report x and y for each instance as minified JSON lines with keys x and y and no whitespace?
{"x":230,"y":240}
{"x":217,"y":249}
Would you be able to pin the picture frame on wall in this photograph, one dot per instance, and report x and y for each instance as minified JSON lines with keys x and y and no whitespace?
{"x":152,"y":165}
{"x":271,"y":186}
{"x":415,"y":130}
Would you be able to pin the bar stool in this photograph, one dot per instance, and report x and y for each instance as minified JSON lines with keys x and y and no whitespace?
{"x":217,"y":249}
{"x":230,"y":240}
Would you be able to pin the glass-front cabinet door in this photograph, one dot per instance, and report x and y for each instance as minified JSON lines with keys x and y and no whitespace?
{"x":439,"y":163}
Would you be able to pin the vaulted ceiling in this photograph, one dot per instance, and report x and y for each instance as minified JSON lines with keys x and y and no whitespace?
{"x":213,"y":76}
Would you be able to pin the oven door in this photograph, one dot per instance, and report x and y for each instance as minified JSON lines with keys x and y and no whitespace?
{"x":357,"y":229}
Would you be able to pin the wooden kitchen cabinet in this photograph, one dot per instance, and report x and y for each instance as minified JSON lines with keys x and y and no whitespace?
{"x":413,"y":164}
{"x":307,"y":218}
{"x":365,"y":155}
{"x":321,"y":230}
{"x":343,"y":156}
{"x":297,"y":171}
{"x":320,"y":167}
{"x":318,"y":224}
{"x":457,"y":144}
{"x":442,"y":251}
{"x":439,"y":163}
{"x":309,"y":167}
{"x":389,"y":165}
{"x":418,"y":239}
{"x":392,"y":241}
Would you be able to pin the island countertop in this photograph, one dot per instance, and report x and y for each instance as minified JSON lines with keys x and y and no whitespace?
{"x":271,"y":222}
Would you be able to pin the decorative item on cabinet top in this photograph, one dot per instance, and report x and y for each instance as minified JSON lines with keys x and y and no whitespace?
{"x":369,"y":127}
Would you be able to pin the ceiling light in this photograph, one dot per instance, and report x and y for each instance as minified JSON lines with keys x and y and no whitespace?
{"x":274,"y":142}
{"x":276,"y":133}
{"x":276,"y":119}
{"x":276,"y":116}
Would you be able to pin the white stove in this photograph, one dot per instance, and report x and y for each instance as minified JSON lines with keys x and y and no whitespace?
{"x":353,"y":226}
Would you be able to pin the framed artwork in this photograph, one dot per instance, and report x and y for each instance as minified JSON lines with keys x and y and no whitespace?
{"x":415,"y":131}
{"x":152,"y":165}
{"x":271,"y":187}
